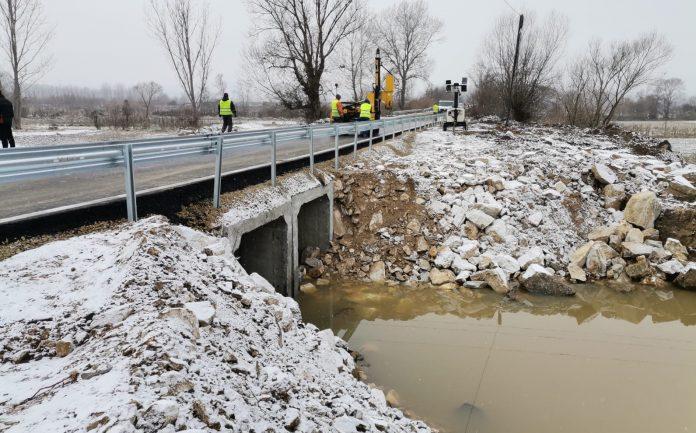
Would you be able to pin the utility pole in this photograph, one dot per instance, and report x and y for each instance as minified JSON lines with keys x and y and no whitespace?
{"x":377,"y":106}
{"x":514,"y":69}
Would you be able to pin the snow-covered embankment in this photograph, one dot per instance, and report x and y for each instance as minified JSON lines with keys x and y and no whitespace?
{"x":494,"y":207}
{"x":156,"y":328}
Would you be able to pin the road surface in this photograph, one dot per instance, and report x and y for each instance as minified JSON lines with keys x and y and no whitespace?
{"x":27,"y":198}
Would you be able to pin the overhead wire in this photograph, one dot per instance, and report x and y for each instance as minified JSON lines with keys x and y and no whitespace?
{"x":513,"y":9}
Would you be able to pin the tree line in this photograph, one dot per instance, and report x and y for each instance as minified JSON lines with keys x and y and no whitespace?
{"x":299,"y":49}
{"x":592,"y":88}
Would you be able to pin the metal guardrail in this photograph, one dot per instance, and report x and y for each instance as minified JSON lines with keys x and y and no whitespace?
{"x":27,"y":164}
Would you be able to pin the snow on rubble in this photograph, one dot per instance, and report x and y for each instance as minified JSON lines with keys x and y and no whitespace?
{"x":486,"y":206}
{"x":156,"y":328}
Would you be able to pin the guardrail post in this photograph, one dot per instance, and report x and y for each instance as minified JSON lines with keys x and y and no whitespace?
{"x":336,"y":147}
{"x":355,"y":140}
{"x":217,"y":184}
{"x":369,"y":144}
{"x":131,"y":201}
{"x":273,"y":158}
{"x":311,"y":150}
{"x":384,"y":131}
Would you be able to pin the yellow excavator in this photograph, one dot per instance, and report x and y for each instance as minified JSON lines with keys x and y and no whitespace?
{"x":381,"y":97}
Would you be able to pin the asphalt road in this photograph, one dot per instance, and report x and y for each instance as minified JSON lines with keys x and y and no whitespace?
{"x":28,"y":198}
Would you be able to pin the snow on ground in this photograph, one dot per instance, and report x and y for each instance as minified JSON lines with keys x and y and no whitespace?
{"x":156,"y":328}
{"x":40,"y":134}
{"x":685,"y":146}
{"x":254,"y":202}
{"x":501,"y":200}
{"x":250,"y":124}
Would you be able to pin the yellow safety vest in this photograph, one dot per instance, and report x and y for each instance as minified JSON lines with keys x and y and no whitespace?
{"x":365,"y":110}
{"x":334,"y":109}
{"x":436,"y":108}
{"x":226,"y":107}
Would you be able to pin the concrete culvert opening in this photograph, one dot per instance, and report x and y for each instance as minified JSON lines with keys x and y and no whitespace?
{"x":264,"y":251}
{"x":314,"y":225}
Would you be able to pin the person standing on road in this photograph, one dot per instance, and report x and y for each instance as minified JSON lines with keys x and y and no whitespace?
{"x":226,"y":110}
{"x":365,"y":111}
{"x":6,"y":117}
{"x":336,"y":109}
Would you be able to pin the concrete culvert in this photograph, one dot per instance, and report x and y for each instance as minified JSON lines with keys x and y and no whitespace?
{"x":264,"y":251}
{"x":314,"y":224}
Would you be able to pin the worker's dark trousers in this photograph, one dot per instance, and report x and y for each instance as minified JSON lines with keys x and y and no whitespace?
{"x":226,"y":124}
{"x":364,"y":133}
{"x":6,"y":136}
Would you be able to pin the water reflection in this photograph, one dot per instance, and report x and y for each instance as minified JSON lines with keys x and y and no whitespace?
{"x":477,"y":362}
{"x":355,"y":302}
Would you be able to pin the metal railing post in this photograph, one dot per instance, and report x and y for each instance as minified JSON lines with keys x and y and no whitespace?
{"x":131,"y":200}
{"x":273,"y":158}
{"x":336,"y":147}
{"x":311,"y":150}
{"x":355,"y":140}
{"x":384,"y":131}
{"x":217,"y":184}
{"x":369,"y":143}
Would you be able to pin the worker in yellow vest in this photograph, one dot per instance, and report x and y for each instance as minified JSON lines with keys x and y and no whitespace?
{"x":226,"y":110}
{"x":336,"y":109}
{"x":366,"y":110}
{"x":436,"y":108}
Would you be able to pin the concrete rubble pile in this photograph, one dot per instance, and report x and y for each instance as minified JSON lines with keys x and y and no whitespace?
{"x":508,"y":209}
{"x":631,"y":250}
{"x":156,"y":328}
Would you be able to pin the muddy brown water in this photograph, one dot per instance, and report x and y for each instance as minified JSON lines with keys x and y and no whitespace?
{"x":602,"y":361}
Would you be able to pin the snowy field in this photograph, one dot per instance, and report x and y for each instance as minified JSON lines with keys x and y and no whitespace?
{"x":38,"y":134}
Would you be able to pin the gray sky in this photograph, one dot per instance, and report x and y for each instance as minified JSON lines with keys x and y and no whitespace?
{"x":107,"y":41}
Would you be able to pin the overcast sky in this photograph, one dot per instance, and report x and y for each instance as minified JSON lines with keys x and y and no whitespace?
{"x":107,"y":41}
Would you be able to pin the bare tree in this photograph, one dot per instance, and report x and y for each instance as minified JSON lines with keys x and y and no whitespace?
{"x":356,"y":54}
{"x":25,"y":40}
{"x":573,"y":94}
{"x":220,"y":84}
{"x":406,"y":32}
{"x":241,"y":95}
{"x":621,"y":68}
{"x":127,"y":113}
{"x":294,"y":40}
{"x":147,"y":92}
{"x":540,"y":49}
{"x":183,"y":29}
{"x":487,"y":96}
{"x":668,"y":91}
{"x":4,"y":79}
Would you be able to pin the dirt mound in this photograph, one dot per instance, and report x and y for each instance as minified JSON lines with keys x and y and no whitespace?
{"x":375,"y":209}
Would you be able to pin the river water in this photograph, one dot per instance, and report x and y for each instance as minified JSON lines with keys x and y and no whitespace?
{"x":602,"y":361}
